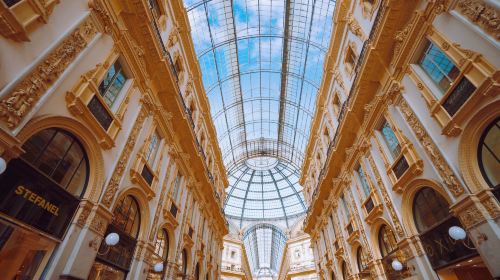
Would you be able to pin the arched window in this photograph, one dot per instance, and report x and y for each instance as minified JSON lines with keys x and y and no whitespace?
{"x":429,"y":209}
{"x":489,"y":154}
{"x":184,"y":262}
{"x":345,"y":272}
{"x":197,"y":272}
{"x":386,"y":241}
{"x":126,"y":216}
{"x":59,"y":155}
{"x":162,"y":245}
{"x":362,"y":260}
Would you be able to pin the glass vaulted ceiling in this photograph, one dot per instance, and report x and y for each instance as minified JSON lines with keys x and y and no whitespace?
{"x":262,"y":65}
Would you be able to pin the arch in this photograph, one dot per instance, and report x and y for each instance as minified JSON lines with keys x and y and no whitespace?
{"x":184,"y":261}
{"x":468,"y":147}
{"x":92,"y":148}
{"x":409,"y":195}
{"x":374,"y":231}
{"x":169,"y":230}
{"x":197,"y":271}
{"x":142,"y":201}
{"x":429,"y":208}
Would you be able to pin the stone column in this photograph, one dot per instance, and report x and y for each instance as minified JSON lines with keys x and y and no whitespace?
{"x":479,"y":215}
{"x":76,"y":254}
{"x":412,"y":254}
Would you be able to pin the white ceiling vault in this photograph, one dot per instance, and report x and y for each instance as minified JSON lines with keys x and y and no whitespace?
{"x":262,"y":65}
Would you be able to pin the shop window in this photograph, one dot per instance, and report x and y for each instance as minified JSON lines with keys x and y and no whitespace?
{"x":390,"y":139}
{"x":184,"y":263}
{"x":433,"y":219}
{"x":388,"y":250}
{"x":162,"y":246}
{"x":345,"y":271}
{"x":60,"y":156}
{"x":197,"y":272}
{"x":489,"y":155}
{"x":386,"y":241}
{"x":429,"y":208}
{"x":362,"y":261}
{"x":113,"y":262}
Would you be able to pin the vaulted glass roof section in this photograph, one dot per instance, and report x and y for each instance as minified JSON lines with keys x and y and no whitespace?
{"x":262,"y":65}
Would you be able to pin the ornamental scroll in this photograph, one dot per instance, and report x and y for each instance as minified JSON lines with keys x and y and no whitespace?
{"x":114,"y":182}
{"x":16,"y":104}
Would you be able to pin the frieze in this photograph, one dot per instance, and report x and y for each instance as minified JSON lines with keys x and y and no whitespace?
{"x":15,"y":105}
{"x":392,"y":212}
{"x":477,"y":11}
{"x":112,"y":187}
{"x":431,"y":149}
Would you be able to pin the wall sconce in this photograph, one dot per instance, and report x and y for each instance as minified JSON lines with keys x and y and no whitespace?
{"x":111,"y":240}
{"x":158,"y":267}
{"x":3,"y":165}
{"x":459,"y":234}
{"x":402,"y":268}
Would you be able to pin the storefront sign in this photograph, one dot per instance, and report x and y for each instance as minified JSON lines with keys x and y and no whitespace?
{"x":32,"y":198}
{"x":441,"y":249}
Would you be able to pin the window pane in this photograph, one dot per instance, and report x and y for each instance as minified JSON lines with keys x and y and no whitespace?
{"x":68,"y":165}
{"x":112,"y":83}
{"x":100,"y":112}
{"x":364,"y":182}
{"x":439,"y":67}
{"x":429,"y":209}
{"x":79,"y":180}
{"x":53,"y":154}
{"x":152,"y":148}
{"x":457,"y":98}
{"x":35,"y":145}
{"x":489,"y":156}
{"x":390,"y":140}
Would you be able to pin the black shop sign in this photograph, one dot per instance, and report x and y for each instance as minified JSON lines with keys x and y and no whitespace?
{"x":443,"y":250}
{"x":36,"y":200}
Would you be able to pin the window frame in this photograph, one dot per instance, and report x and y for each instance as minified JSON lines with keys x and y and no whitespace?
{"x":481,"y":145}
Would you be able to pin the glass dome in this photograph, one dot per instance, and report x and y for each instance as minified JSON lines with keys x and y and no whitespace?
{"x":264,"y":188}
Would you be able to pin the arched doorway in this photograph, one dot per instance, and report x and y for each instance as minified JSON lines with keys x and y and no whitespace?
{"x":184,"y":263}
{"x":448,"y":257}
{"x":489,"y":156}
{"x":113,"y":262}
{"x":162,"y":246}
{"x":362,"y":261}
{"x":345,"y":271}
{"x":388,"y":249}
{"x":197,"y":272}
{"x":41,"y":189}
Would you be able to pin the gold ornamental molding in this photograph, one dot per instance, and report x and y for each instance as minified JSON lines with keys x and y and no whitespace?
{"x":114,"y":182}
{"x":432,"y":150}
{"x":15,"y":105}
{"x":482,"y":14}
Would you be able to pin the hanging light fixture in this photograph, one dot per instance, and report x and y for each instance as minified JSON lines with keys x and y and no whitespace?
{"x":397,"y":265}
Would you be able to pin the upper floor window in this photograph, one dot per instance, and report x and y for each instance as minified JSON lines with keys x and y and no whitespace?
{"x":112,"y":84}
{"x":176,"y":187}
{"x":346,"y":209}
{"x":453,"y":86}
{"x":364,"y":182}
{"x":155,"y":6}
{"x":390,"y":139}
{"x":489,"y":154}
{"x":60,"y":156}
{"x":336,"y":105}
{"x":152,"y":150}
{"x":126,"y":216}
{"x":11,"y":3}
